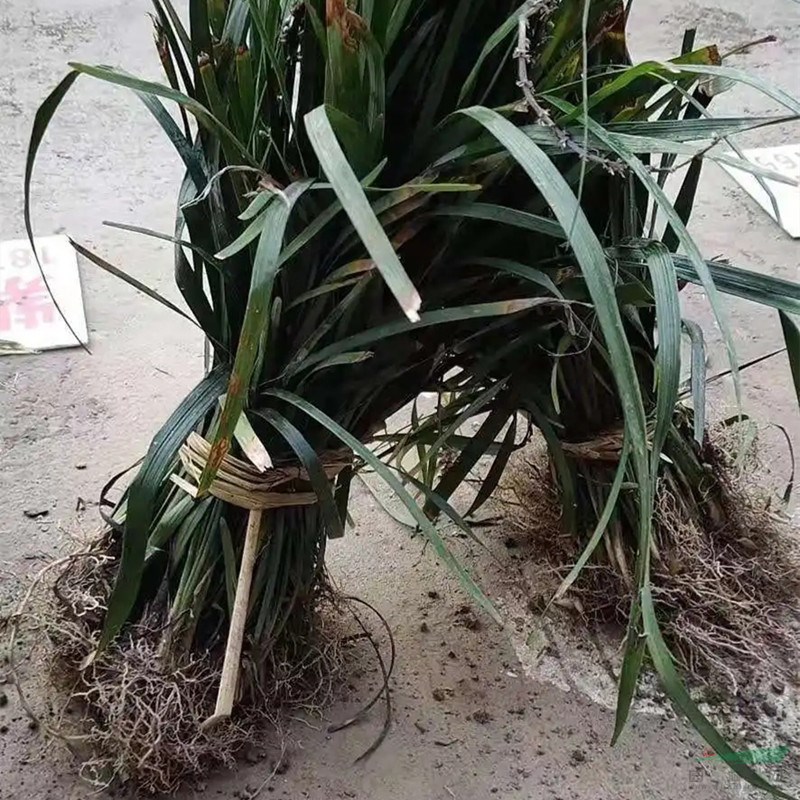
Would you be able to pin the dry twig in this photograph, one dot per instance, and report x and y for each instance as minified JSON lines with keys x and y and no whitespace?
{"x":542,"y":9}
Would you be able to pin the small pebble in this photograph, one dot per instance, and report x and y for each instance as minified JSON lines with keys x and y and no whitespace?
{"x":578,"y":756}
{"x":770,"y":708}
{"x":254,"y":755}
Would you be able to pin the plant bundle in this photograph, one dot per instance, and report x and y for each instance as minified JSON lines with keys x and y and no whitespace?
{"x":383,"y":199}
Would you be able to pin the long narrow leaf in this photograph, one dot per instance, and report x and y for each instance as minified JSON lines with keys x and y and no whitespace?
{"x":197,"y":109}
{"x":686,"y":242}
{"x":747,"y":284}
{"x":492,"y":479}
{"x":361,"y":340}
{"x":662,"y":660}
{"x":668,"y":354}
{"x":791,"y":334}
{"x":698,"y":378}
{"x":508,"y":27}
{"x":142,"y":495}
{"x":428,"y":529}
{"x":600,"y":283}
{"x":44,"y":114}
{"x":265,"y":268}
{"x":507,"y":216}
{"x":354,"y":201}
{"x":129,"y":279}
{"x":316,"y":472}
{"x":591,"y":258}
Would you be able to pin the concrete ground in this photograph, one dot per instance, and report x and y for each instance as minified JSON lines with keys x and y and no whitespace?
{"x":70,"y":420}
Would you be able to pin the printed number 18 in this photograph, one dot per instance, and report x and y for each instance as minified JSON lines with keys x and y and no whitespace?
{"x":23,"y":257}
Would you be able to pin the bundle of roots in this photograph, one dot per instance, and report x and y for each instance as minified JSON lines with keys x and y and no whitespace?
{"x":726,"y":584}
{"x":135,"y":712}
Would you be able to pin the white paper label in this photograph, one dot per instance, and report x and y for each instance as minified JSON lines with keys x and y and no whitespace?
{"x":784,"y":160}
{"x":28,"y":315}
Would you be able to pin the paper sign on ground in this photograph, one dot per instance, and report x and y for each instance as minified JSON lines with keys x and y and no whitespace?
{"x":28,"y":315}
{"x":784,"y":159}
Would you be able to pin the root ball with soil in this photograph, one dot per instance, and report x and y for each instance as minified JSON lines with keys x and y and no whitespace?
{"x":726,"y":567}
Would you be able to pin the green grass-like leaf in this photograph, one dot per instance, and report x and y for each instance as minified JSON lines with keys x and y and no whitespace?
{"x":427,"y":528}
{"x":155,"y":469}
{"x":791,"y":334}
{"x":676,"y":691}
{"x":265,"y":268}
{"x":354,"y":201}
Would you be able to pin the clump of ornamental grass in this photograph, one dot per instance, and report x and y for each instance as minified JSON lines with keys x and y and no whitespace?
{"x":390,"y":200}
{"x":654,"y":518}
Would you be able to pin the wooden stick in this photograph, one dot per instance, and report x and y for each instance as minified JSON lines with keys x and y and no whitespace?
{"x":233,"y":650}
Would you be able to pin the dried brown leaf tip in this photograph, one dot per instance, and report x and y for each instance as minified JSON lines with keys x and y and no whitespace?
{"x":350,"y":25}
{"x":611,"y":26}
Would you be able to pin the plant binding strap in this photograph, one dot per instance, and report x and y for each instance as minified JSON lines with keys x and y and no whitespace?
{"x":606,"y":446}
{"x":241,"y":484}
